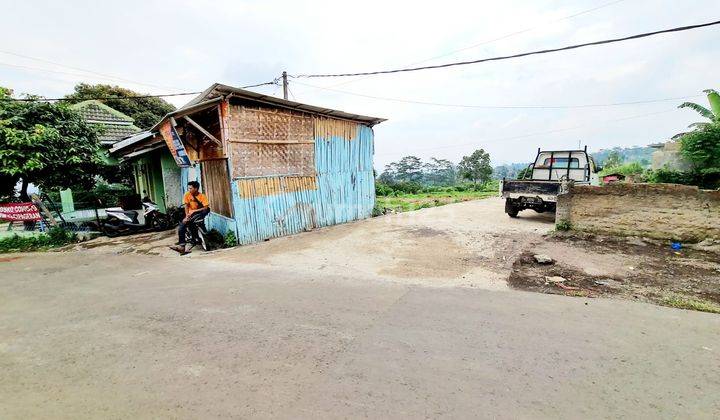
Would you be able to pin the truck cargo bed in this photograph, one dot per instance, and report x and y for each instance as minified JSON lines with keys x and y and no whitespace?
{"x":530,"y":187}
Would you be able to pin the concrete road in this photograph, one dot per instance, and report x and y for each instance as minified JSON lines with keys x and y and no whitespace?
{"x":105,"y":335}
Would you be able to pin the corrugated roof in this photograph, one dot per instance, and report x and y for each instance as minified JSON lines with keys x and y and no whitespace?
{"x":131,"y":140}
{"x":218,"y":90}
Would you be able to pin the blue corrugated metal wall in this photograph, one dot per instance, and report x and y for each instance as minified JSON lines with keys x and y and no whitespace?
{"x":344,"y":190}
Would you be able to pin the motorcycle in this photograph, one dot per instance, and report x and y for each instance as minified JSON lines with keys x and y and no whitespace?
{"x":119,"y":221}
{"x":196,"y":233}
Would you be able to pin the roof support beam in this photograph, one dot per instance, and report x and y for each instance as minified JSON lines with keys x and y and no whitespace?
{"x":202,"y":130}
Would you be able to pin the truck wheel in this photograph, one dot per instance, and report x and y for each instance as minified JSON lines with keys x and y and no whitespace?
{"x":511,"y":209}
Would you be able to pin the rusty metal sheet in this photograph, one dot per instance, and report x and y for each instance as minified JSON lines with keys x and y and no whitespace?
{"x":259,"y":187}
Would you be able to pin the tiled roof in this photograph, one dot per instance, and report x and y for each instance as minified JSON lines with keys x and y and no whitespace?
{"x":114,"y":124}
{"x":113,"y":133}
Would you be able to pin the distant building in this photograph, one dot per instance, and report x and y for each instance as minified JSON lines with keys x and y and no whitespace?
{"x":270,"y":167}
{"x":667,"y":156}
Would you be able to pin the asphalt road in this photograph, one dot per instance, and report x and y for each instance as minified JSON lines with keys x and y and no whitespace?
{"x":121,"y":335}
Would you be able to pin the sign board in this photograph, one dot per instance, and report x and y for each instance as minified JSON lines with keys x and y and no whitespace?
{"x":177,"y":149}
{"x":19,"y":212}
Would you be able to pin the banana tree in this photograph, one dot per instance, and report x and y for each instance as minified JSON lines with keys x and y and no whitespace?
{"x":712,"y":114}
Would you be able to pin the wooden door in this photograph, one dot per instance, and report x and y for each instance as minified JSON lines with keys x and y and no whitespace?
{"x":216,"y":185}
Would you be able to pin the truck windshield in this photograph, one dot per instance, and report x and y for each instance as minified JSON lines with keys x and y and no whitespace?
{"x":572,"y":163}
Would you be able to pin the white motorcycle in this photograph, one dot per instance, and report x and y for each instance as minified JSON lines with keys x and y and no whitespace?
{"x":119,"y":221}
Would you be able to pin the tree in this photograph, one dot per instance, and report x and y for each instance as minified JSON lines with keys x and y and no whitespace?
{"x":46,"y":144}
{"x":409,"y":169}
{"x":476,"y":167}
{"x":145,"y":111}
{"x":702,"y":146}
{"x":614,"y":159}
{"x":524,"y":172}
{"x":439,"y":172}
{"x":712,"y":114}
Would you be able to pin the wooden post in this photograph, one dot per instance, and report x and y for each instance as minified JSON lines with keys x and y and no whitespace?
{"x":44,"y":210}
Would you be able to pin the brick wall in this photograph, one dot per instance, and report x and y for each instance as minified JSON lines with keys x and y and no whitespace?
{"x":661,"y":211}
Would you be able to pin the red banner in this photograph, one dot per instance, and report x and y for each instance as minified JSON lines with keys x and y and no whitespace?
{"x":19,"y":212}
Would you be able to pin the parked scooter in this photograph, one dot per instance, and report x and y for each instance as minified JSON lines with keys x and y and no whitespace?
{"x":119,"y":221}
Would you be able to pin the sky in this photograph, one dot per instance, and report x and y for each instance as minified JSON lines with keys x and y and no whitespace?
{"x":160,"y":47}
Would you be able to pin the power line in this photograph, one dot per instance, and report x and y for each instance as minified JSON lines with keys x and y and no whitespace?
{"x":540,"y":133}
{"x":409,"y":101}
{"x":102,"y":75}
{"x":525,"y":54}
{"x":518,"y":32}
{"x":582,"y":12}
{"x":126,"y":97}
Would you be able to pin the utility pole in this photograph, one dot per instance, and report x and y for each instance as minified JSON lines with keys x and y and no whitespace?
{"x":285,"y":85}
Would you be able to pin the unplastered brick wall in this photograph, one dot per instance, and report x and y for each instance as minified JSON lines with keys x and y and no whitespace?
{"x":661,"y":211}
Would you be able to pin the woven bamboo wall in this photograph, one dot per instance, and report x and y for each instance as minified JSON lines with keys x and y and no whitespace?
{"x":266,"y":142}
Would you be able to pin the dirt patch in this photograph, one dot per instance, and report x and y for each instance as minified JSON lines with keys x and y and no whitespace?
{"x":8,"y":259}
{"x":600,"y":266}
{"x":151,"y":243}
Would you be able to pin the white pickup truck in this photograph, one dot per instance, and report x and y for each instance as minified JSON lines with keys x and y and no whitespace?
{"x":539,"y":188}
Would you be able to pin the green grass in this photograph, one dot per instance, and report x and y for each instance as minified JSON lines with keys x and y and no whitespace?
{"x":410,"y":202}
{"x":685,"y":302}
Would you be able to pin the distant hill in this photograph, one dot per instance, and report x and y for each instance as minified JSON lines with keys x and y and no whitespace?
{"x":641,"y":154}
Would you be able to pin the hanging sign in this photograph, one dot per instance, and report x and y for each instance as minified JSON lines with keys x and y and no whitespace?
{"x":177,"y":149}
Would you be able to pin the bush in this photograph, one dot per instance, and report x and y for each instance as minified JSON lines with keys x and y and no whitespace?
{"x":215,"y":239}
{"x":383,"y":189}
{"x":230,"y":239}
{"x":563,"y":225}
{"x":55,"y":237}
{"x":668,"y":176}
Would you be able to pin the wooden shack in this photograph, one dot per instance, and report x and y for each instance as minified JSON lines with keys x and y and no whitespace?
{"x":270,"y":167}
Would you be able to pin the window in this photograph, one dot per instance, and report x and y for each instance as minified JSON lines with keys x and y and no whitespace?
{"x":573,"y":163}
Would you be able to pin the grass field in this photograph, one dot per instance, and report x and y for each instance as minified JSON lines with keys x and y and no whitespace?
{"x":410,"y":202}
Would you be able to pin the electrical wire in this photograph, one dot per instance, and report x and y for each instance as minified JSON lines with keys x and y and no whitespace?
{"x":509,"y":35}
{"x":409,"y":101}
{"x":540,"y":133}
{"x":508,"y":57}
{"x":123,"y":98}
{"x":102,"y":75}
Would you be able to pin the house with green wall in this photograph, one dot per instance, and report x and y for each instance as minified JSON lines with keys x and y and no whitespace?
{"x":155,"y":172}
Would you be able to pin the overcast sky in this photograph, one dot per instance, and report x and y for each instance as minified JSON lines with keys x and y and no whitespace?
{"x":181,"y":45}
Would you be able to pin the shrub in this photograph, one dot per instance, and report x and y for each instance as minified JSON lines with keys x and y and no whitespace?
{"x":55,"y":237}
{"x":563,"y":225}
{"x":669,"y":176}
{"x":230,"y":239}
{"x":383,"y":189}
{"x":215,"y":239}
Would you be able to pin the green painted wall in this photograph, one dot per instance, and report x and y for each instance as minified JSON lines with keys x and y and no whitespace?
{"x":171,"y":179}
{"x":148,"y":177}
{"x":158,"y":194}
